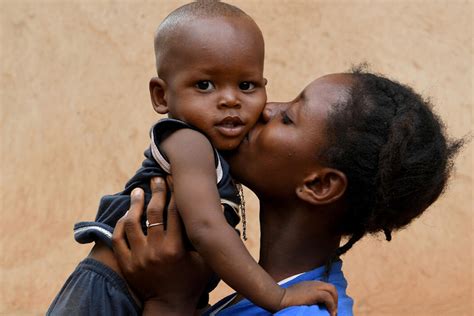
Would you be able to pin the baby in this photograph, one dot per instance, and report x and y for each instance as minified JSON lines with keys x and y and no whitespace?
{"x":209,"y":58}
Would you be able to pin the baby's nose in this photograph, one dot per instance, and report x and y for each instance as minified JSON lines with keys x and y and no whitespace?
{"x":229,"y":98}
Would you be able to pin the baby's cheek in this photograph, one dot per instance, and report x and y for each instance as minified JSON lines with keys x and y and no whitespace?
{"x":258,"y":104}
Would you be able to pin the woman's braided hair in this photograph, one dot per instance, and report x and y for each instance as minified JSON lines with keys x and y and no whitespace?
{"x":393,"y":151}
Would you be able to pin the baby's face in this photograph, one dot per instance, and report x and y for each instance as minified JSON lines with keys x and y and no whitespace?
{"x":215,"y":79}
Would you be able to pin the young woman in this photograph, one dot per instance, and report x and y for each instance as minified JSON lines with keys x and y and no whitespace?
{"x":353,"y":154}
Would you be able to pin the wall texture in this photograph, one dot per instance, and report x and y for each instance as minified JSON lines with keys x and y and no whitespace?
{"x":75,"y":113}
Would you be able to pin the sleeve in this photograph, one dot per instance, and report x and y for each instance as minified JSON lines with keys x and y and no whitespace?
{"x":163,"y":129}
{"x":158,"y":133}
{"x":89,"y":293}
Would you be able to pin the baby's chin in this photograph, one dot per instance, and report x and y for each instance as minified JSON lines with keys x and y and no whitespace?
{"x":227,"y":145}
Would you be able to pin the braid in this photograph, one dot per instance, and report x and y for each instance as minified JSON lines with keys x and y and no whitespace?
{"x":342,"y":250}
{"x":388,"y":234}
{"x":348,"y":245}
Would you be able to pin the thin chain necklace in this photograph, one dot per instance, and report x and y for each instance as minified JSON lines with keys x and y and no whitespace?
{"x":242,"y":211}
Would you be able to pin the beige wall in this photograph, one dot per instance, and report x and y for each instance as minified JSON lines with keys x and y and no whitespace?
{"x":75,"y":113}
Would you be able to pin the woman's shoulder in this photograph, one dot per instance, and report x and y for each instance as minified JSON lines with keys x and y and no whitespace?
{"x":336,"y":277}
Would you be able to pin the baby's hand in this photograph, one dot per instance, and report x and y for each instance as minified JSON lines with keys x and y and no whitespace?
{"x":311,"y":293}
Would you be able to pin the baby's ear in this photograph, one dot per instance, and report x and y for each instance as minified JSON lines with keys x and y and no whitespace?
{"x":158,"y":95}
{"x":324,"y":186}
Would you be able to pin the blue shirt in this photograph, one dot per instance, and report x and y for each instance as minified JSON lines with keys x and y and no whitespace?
{"x":336,"y":277}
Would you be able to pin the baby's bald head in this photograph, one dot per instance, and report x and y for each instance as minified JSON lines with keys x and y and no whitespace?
{"x":172,"y":33}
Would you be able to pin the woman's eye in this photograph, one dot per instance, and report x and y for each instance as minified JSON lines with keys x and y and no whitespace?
{"x":205,"y":85}
{"x":246,"y":86}
{"x":285,"y":119}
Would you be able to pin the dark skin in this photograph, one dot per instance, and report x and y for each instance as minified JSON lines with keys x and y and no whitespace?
{"x":140,"y":255}
{"x":160,"y":248}
{"x":291,"y":134}
{"x":213,"y":80}
{"x":307,"y":197}
{"x":211,"y":76}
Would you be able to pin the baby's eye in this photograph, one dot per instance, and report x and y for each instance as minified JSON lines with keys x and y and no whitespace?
{"x":245,"y":85}
{"x":285,"y":119}
{"x":205,"y":85}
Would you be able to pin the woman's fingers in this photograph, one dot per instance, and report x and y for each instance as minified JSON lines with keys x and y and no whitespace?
{"x":131,"y":220}
{"x":158,"y":266}
{"x":119,"y":243}
{"x":175,"y":225}
{"x":155,"y":209}
{"x":128,"y":228}
{"x":174,"y":230}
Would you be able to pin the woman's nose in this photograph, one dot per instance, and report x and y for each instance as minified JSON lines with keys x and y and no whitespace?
{"x":271,"y":110}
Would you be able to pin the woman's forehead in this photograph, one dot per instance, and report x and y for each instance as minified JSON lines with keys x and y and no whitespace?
{"x":331,"y":83}
{"x":327,"y":90}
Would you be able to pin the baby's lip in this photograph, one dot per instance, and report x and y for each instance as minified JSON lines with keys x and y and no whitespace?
{"x":231,"y":126}
{"x":231,"y":121}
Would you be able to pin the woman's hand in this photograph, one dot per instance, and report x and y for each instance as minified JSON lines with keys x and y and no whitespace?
{"x":167,"y":277}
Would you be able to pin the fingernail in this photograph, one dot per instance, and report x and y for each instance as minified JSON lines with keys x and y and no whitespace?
{"x":126,"y":213}
{"x":157,"y":180}
{"x":136,"y":192}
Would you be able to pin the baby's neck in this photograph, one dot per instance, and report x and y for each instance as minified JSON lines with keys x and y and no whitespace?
{"x":292,"y":242}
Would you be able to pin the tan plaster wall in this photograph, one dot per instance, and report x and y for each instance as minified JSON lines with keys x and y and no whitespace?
{"x":75,"y":113}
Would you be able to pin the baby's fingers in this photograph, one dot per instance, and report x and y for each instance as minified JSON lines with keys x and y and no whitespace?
{"x":311,"y":293}
{"x":331,"y":289}
{"x":324,"y":297}
{"x":327,"y":295}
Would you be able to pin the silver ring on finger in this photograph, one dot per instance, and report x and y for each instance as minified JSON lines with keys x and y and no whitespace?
{"x":148,"y":224}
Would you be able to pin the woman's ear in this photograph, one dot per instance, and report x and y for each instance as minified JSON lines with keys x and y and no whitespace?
{"x":325,"y":186}
{"x":158,"y":95}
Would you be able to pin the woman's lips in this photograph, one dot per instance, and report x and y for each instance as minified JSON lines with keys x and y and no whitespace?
{"x":231,"y":126}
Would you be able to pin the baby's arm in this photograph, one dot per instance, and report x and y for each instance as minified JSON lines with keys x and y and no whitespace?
{"x":191,"y":158}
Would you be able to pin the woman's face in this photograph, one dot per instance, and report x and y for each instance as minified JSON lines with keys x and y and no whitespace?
{"x":282,"y":147}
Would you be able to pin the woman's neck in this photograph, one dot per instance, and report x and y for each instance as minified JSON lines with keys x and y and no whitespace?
{"x":294,"y":239}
